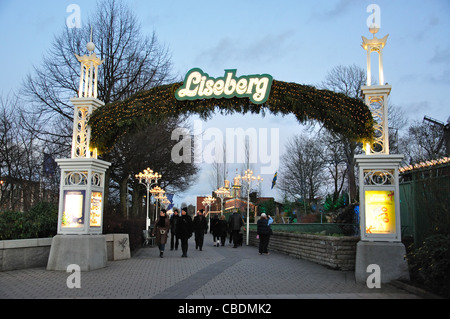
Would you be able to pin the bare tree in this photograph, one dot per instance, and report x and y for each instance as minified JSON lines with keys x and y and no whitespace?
{"x":132,"y":63}
{"x":20,"y":158}
{"x":422,"y":143}
{"x":347,"y":80}
{"x":149,"y":147}
{"x":301,"y":174}
{"x":219,"y":169}
{"x":335,"y":161}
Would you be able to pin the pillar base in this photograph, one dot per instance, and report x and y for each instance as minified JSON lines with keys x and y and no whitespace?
{"x":87,"y":251}
{"x":388,"y":255}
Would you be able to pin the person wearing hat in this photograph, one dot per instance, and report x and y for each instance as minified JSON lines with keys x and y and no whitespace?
{"x":264,"y":231}
{"x":184,"y":230}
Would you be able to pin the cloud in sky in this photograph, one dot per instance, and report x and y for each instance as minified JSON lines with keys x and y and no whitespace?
{"x":253,"y":50}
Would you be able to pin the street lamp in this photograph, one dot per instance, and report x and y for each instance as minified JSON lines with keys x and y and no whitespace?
{"x":148,"y":178}
{"x":207,"y":203}
{"x":249,"y":178}
{"x":222,"y":193}
{"x":158,"y":193}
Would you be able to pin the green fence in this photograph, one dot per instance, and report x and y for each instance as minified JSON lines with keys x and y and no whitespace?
{"x":425,"y":201}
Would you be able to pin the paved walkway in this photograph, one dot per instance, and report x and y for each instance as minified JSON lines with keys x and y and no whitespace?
{"x":214,"y":273}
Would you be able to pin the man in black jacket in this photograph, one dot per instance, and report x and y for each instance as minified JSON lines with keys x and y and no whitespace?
{"x":174,"y":240}
{"x":184,"y":230}
{"x":235,"y":222}
{"x":200,"y":229}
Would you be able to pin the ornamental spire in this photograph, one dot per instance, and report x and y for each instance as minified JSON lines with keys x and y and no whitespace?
{"x":89,"y":72}
{"x":374,"y":45}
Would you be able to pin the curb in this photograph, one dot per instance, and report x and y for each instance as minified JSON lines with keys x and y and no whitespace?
{"x":415,"y":290}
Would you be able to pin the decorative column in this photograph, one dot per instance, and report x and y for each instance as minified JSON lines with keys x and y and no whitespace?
{"x":80,"y":216}
{"x":376,"y":96}
{"x":379,"y":185}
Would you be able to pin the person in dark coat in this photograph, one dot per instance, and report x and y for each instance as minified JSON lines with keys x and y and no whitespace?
{"x":214,"y":229}
{"x":161,"y":231}
{"x":174,"y":240}
{"x":263,"y":230}
{"x":184,"y":230}
{"x":200,"y":229}
{"x":222,"y":228}
{"x":235,"y":222}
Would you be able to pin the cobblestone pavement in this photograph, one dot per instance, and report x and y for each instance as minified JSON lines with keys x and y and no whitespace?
{"x":214,"y":273}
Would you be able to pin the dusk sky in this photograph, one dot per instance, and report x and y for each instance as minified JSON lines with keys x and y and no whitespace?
{"x":292,"y":40}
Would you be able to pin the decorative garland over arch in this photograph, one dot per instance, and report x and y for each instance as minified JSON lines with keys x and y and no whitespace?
{"x":337,"y":112}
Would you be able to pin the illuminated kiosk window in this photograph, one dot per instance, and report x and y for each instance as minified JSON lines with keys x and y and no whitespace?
{"x":96,"y":209}
{"x":380,"y":212}
{"x":73,"y":213}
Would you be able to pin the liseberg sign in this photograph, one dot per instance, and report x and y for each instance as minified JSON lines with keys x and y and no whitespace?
{"x":199,"y":85}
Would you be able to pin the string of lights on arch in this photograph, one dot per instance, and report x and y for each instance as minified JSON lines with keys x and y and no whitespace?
{"x":337,"y":112}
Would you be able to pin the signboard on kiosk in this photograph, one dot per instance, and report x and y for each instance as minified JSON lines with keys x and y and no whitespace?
{"x":380,"y":212}
{"x":96,"y":209}
{"x":73,"y":213}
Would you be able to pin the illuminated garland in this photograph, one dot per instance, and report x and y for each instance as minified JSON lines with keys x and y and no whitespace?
{"x":338,"y":112}
{"x":426,"y":164}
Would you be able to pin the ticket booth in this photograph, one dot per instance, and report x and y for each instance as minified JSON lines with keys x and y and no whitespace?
{"x":379,"y":198}
{"x":81,"y":196}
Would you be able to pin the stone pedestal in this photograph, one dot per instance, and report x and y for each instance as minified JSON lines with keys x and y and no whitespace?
{"x":87,"y":251}
{"x":118,"y":246}
{"x":389,"y":256}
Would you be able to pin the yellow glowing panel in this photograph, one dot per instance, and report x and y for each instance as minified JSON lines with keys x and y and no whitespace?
{"x":96,"y":209}
{"x":380,"y":212}
{"x":73,"y":214}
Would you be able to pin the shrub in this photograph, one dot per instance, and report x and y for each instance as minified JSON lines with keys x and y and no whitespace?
{"x":11,"y":225}
{"x":42,"y":220}
{"x":39,"y":222}
{"x":430,"y":264}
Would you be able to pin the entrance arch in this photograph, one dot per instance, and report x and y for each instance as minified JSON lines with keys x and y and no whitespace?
{"x":337,"y":112}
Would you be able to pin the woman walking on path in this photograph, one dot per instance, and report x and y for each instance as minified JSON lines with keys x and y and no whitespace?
{"x":184,"y":230}
{"x":264,"y":231}
{"x":161,"y":231}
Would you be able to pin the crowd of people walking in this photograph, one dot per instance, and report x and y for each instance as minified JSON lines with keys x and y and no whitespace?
{"x":182,"y":227}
